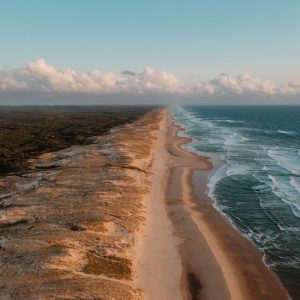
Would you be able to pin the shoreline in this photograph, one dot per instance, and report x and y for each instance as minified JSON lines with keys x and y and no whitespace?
{"x":203,"y":276}
{"x":215,"y":260}
{"x":185,"y":250}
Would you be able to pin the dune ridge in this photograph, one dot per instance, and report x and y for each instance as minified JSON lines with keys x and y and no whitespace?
{"x":69,"y":225}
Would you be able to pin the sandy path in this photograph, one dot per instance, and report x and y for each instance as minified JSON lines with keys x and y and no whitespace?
{"x":159,"y":268}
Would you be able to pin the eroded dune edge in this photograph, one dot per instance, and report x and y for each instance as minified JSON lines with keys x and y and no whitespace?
{"x":68,"y":226}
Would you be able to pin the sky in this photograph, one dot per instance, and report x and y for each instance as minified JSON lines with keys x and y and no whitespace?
{"x":202,"y":51}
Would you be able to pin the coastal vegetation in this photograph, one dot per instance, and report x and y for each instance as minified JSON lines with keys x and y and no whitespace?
{"x":26,"y":132}
{"x":110,"y":266}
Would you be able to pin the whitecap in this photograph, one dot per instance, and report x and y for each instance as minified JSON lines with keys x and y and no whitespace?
{"x":233,"y":121}
{"x":295,"y":182}
{"x":286,"y":132}
{"x":286,"y":158}
{"x":283,"y":191}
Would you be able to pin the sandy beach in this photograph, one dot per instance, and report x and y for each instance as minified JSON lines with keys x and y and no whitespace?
{"x":187,"y":249}
{"x":124,"y":216}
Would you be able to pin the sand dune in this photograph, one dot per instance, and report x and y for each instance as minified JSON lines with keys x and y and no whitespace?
{"x":68,"y":225}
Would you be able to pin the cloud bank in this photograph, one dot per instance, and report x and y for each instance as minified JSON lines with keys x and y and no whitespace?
{"x":40,"y":77}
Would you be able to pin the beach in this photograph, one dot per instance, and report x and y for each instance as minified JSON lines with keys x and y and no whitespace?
{"x":150,"y":150}
{"x":212,"y":259}
{"x":124,"y":216}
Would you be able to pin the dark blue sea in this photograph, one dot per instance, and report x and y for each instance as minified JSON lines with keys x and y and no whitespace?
{"x":258,"y":186}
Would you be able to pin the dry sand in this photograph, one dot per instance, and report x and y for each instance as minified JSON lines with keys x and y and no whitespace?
{"x":68,"y":225}
{"x":212,"y":260}
{"x":159,"y":268}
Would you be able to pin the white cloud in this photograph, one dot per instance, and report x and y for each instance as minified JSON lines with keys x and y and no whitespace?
{"x":11,"y":80}
{"x":237,"y":85}
{"x":39,"y":76}
{"x":292,"y":88}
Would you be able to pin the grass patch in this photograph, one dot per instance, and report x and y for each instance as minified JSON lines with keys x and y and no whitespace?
{"x":109,"y":266}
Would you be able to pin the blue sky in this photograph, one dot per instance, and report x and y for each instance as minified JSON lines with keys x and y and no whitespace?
{"x":196,"y":37}
{"x":191,"y":39}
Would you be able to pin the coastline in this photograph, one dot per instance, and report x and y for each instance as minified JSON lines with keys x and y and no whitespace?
{"x":97,"y":247}
{"x":215,"y":260}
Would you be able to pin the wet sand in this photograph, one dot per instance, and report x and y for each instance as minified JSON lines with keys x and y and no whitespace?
{"x":213,"y":260}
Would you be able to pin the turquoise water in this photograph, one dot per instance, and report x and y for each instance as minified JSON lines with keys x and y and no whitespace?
{"x":258,"y":187}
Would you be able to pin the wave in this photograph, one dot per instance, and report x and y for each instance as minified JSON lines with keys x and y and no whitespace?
{"x":231,"y":138}
{"x":283,"y":191}
{"x":226,"y":170}
{"x":286,"y":132}
{"x":214,"y":178}
{"x":188,"y":118}
{"x":288,"y":228}
{"x":231,"y":121}
{"x":295,"y":182}
{"x":258,"y":186}
{"x":288,"y":159}
{"x":233,"y":146}
{"x":245,"y":139}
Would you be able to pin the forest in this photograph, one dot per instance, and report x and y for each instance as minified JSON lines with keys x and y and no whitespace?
{"x":26,"y":132}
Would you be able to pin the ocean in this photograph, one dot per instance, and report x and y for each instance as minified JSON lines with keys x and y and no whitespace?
{"x":257,"y":185}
